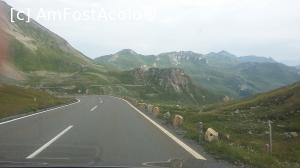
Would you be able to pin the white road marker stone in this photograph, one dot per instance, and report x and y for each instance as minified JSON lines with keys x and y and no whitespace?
{"x":38,"y":151}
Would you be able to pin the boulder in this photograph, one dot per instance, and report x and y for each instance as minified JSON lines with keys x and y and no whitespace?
{"x":177,"y":121}
{"x":226,"y":99}
{"x":294,"y":134}
{"x":211,"y":135}
{"x":290,"y":134}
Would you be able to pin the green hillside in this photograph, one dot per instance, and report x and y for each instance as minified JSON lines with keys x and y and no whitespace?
{"x":33,"y":47}
{"x":16,"y":100}
{"x":45,"y":60}
{"x":246,"y":121}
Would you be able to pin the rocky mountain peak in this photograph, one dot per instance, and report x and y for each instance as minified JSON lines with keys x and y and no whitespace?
{"x":226,"y":53}
{"x":127,"y":52}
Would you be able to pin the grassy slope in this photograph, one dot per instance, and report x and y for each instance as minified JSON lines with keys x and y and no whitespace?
{"x":15,"y":100}
{"x":42,"y":59}
{"x":247,"y":128}
{"x":48,"y":52}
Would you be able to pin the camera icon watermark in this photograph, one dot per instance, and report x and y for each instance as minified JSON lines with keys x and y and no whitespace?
{"x":20,"y":15}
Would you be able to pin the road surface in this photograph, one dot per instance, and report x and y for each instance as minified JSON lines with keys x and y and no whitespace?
{"x":95,"y":131}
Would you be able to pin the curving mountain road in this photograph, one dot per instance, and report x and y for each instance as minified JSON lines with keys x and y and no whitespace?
{"x":95,"y":131}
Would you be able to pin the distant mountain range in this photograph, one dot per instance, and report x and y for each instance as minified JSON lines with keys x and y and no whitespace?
{"x":222,"y":73}
{"x":34,"y":56}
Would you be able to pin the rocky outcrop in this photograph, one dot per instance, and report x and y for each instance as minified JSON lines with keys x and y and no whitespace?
{"x":167,"y":84}
{"x":170,"y":79}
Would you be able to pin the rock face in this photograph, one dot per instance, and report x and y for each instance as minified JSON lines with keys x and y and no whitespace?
{"x":211,"y":135}
{"x":171,"y":79}
{"x":167,"y":84}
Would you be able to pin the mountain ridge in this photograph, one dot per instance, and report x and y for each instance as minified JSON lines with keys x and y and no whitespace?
{"x":221,"y":72}
{"x":168,"y":83}
{"x":222,"y":53}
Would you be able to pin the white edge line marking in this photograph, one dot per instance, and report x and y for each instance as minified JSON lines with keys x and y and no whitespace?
{"x":38,"y":151}
{"x":178,"y":141}
{"x":5,"y":122}
{"x":94,"y":108}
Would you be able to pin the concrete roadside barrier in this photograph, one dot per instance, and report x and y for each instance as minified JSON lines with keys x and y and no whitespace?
{"x":156,"y":111}
{"x":177,"y":121}
{"x":211,"y":135}
{"x":149,"y":108}
{"x":142,"y":106}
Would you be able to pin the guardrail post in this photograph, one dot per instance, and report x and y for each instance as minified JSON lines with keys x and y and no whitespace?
{"x":270,"y":137}
{"x":200,"y":130}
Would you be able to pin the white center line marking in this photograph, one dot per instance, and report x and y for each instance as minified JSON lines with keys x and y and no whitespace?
{"x":34,"y":154}
{"x":94,"y":108}
{"x":173,"y":137}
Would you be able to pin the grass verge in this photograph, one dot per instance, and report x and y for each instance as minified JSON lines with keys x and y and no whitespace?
{"x":246,"y":121}
{"x":16,"y":100}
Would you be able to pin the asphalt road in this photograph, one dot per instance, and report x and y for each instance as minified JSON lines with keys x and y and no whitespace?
{"x":95,"y":131}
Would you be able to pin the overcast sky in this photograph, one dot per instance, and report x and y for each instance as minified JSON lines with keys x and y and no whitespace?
{"x":268,"y":28}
